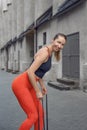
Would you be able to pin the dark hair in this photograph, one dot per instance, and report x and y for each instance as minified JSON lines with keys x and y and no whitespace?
{"x":60,"y":34}
{"x":57,"y":54}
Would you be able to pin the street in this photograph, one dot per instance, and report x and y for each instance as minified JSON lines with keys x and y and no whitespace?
{"x":67,"y":109}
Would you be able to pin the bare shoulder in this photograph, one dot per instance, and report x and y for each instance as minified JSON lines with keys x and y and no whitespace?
{"x":42,"y":53}
{"x":39,"y":58}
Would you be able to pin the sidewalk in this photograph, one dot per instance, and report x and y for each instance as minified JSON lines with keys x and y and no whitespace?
{"x":67,"y":109}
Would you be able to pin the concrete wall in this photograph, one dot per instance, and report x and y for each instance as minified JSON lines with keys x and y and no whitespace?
{"x":9,"y":23}
{"x":20,"y":16}
{"x":14,"y":18}
{"x":29,"y":13}
{"x":41,"y":6}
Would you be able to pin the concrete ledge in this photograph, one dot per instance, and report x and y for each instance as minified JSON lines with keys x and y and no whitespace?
{"x":66,"y":81}
{"x":15,"y":72}
{"x":64,"y":84}
{"x":59,"y":86}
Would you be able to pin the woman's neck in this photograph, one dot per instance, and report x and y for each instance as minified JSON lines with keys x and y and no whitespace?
{"x":50,"y":48}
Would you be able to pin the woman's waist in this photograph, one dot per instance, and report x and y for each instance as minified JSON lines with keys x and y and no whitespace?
{"x":21,"y":79}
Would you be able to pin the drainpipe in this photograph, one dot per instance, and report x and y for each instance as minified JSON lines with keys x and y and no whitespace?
{"x":35,"y":39}
{"x":6,"y":59}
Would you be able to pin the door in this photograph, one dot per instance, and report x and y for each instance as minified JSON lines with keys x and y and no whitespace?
{"x":70,"y":66}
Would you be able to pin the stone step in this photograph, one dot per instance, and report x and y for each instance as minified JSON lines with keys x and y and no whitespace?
{"x":63,"y":86}
{"x":15,"y":72}
{"x":66,"y":81}
{"x":59,"y":86}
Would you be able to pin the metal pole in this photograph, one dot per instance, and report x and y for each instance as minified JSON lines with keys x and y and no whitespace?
{"x":46,"y":112}
{"x":43,"y":115}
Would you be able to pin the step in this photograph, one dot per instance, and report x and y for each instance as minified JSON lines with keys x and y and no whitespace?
{"x":15,"y":72}
{"x":59,"y":86}
{"x":67,"y":81}
{"x":64,"y":84}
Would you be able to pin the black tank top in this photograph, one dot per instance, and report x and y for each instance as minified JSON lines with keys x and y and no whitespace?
{"x":40,"y":72}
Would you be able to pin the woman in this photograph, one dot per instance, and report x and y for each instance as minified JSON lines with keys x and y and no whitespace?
{"x":25,"y":85}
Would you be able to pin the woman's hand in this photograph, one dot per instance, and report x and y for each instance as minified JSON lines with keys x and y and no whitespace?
{"x":44,"y":90}
{"x":39,"y":95}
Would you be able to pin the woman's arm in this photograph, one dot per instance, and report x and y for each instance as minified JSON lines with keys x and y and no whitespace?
{"x":43,"y":87}
{"x":39,"y":59}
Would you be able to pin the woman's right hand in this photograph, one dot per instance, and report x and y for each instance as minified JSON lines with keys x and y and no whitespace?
{"x":39,"y":95}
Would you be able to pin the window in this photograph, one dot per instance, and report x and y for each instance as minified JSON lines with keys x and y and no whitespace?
{"x":40,"y":47}
{"x":44,"y":38}
{"x":9,"y":2}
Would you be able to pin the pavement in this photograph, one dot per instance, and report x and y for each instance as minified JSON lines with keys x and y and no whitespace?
{"x":67,"y":110}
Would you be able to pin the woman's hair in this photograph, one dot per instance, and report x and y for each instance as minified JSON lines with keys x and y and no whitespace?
{"x":60,"y":34}
{"x":57,"y":54}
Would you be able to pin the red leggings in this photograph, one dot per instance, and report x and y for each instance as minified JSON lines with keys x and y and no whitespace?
{"x":27,"y":99}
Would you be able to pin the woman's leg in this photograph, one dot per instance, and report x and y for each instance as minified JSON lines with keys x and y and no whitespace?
{"x":27,"y":103}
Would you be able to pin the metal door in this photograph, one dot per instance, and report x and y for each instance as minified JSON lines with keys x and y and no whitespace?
{"x":70,"y":66}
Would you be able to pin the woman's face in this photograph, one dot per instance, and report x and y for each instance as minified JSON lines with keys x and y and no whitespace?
{"x":58,"y":43}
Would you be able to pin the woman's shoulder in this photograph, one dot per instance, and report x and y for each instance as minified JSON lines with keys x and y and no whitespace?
{"x":42,"y":51}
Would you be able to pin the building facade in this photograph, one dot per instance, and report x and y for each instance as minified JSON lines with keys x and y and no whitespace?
{"x":26,"y":26}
